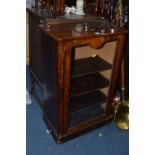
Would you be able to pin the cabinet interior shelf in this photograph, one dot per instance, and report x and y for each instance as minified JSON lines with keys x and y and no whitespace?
{"x":83,"y":102}
{"x":86,"y":100}
{"x":87,"y":84}
{"x":86,"y":115}
{"x":89,"y":65}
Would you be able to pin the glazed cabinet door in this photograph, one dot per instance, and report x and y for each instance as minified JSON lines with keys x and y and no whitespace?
{"x":89,"y":81}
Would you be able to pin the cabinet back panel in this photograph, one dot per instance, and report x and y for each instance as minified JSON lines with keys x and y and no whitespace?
{"x":107,"y":52}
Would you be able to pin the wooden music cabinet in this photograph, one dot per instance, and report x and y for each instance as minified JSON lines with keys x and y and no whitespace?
{"x":73,"y":73}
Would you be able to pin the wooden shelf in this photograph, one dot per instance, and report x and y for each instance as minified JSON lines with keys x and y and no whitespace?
{"x":89,"y":65}
{"x":86,"y":115}
{"x":87,"y":84}
{"x":85,"y":101}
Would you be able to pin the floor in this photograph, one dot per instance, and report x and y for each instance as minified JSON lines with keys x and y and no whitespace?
{"x":107,"y":140}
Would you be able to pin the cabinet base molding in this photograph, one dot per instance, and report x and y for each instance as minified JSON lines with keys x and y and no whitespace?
{"x":76,"y":131}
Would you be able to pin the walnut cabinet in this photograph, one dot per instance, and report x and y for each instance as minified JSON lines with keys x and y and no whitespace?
{"x":73,"y":73}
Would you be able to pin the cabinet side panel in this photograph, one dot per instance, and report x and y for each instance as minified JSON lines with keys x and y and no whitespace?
{"x":50,"y":83}
{"x":35,"y":45}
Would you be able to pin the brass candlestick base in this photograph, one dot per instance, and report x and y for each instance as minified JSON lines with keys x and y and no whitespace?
{"x":122,"y":115}
{"x":122,"y":111}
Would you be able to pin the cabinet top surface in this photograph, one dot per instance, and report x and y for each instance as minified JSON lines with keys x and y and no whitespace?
{"x":82,"y":29}
{"x":75,"y":26}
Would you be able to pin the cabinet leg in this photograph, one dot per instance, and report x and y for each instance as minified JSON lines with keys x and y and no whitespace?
{"x":53,"y":132}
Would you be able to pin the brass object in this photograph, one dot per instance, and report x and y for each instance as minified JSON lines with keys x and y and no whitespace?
{"x":119,"y":13}
{"x":94,"y":55}
{"x":122,"y":115}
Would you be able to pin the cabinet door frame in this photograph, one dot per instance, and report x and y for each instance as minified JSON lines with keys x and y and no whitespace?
{"x":94,"y":42}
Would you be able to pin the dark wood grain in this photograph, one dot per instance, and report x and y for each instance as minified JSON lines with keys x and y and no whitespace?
{"x":96,"y":7}
{"x":87,"y":84}
{"x":86,"y":115}
{"x":88,"y":66}
{"x":72,"y":101}
{"x":36,"y":62}
{"x":83,"y":102}
{"x":68,"y":31}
